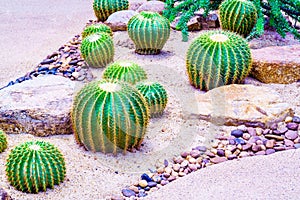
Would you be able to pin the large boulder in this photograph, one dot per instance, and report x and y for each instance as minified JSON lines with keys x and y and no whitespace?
{"x":242,"y":104}
{"x":40,"y":106}
{"x":118,"y":21}
{"x":153,"y":6}
{"x":276,"y":64}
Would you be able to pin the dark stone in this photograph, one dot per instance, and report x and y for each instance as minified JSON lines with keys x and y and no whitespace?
{"x":220,"y":152}
{"x":232,"y":156}
{"x":146,"y":177}
{"x":184,"y":154}
{"x":237,"y":133}
{"x":296,"y":119}
{"x":43,"y":68}
{"x":152,"y":184}
{"x":73,"y":62}
{"x":201,"y":148}
{"x":276,"y":132}
{"x":128,"y":193}
{"x":142,"y":194}
{"x":292,"y":126}
{"x":21,"y":79}
{"x":239,"y":141}
{"x":147,"y":188}
{"x":47,"y":61}
{"x":166,"y":163}
{"x":270,"y":151}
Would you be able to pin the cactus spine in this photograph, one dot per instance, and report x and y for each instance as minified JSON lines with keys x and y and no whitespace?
{"x":218,"y":58}
{"x":3,"y":141}
{"x":97,"y":50}
{"x":109,"y":116}
{"x":96,"y":28}
{"x":149,"y":32}
{"x":104,"y":8}
{"x":35,"y":166}
{"x":156,"y":96}
{"x":125,"y":71}
{"x":238,"y":16}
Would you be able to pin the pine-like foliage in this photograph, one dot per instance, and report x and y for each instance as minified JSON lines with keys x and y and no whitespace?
{"x":35,"y":166}
{"x":125,"y":71}
{"x":149,"y":31}
{"x":104,"y":8}
{"x":3,"y":141}
{"x":274,"y":9}
{"x":156,"y":96}
{"x":109,"y":116}
{"x":238,"y":16}
{"x":97,"y":49}
{"x":218,"y":58}
{"x":96,"y":28}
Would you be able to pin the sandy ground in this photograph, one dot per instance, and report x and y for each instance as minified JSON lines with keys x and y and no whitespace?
{"x":33,"y":29}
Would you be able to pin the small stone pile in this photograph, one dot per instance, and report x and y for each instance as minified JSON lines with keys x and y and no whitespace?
{"x":241,"y":142}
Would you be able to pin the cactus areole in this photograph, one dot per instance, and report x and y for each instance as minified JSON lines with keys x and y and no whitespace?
{"x":109,"y":116}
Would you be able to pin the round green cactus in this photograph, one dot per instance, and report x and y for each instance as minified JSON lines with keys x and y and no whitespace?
{"x":35,"y":166}
{"x":156,"y":96}
{"x":125,"y":71}
{"x":97,"y":50}
{"x":218,"y":58}
{"x":104,"y":8}
{"x":238,"y":16}
{"x":96,"y":28}
{"x":149,"y":31}
{"x":109,"y":116}
{"x":3,"y":141}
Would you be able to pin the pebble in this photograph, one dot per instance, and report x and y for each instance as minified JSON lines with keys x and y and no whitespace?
{"x":237,"y":133}
{"x":297,"y":146}
{"x":171,"y":178}
{"x":168,"y":170}
{"x":258,"y":131}
{"x":243,"y":154}
{"x":217,"y":160}
{"x":192,"y":160}
{"x":292,"y":126}
{"x":184,"y":154}
{"x":220,"y":152}
{"x":164,"y":182}
{"x":152,"y":184}
{"x":246,"y":136}
{"x":270,"y":144}
{"x":201,"y":148}
{"x":291,"y":135}
{"x":146,"y":177}
{"x":180,"y":174}
{"x":184,"y":164}
{"x":143,"y":183}
{"x":156,"y":178}
{"x":176,"y":167}
{"x":288,"y":119}
{"x":239,"y":141}
{"x":251,"y":131}
{"x":192,"y":167}
{"x":296,"y":119}
{"x":134,"y":188}
{"x":246,"y":147}
{"x":195,"y":153}
{"x":276,"y":137}
{"x":128,"y":192}
{"x":279,"y":148}
{"x":231,"y":157}
{"x":260,"y":153}
{"x":270,"y":151}
{"x":288,"y":143}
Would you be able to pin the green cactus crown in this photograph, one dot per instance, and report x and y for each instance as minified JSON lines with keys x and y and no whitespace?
{"x":35,"y":166}
{"x":3,"y":141}
{"x":218,"y":58}
{"x":104,"y":8}
{"x":125,"y":71}
{"x":109,"y":116}
{"x":95,"y":28}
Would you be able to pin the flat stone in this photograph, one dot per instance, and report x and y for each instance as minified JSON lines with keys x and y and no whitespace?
{"x":128,"y":192}
{"x":276,"y":137}
{"x":118,"y":21}
{"x":276,"y":64}
{"x":292,"y":126}
{"x":135,"y":4}
{"x":291,"y":135}
{"x":153,"y":6}
{"x":40,"y":106}
{"x":235,"y":104}
{"x":217,"y":160}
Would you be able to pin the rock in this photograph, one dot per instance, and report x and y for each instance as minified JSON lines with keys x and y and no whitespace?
{"x":134,"y":188}
{"x":153,"y":6}
{"x":201,"y":148}
{"x":276,"y":64}
{"x":288,"y":119}
{"x":184,"y":154}
{"x":152,"y":184}
{"x":128,"y":192}
{"x":276,"y":137}
{"x":246,"y":147}
{"x":118,"y":21}
{"x":246,"y":136}
{"x":40,"y":106}
{"x":193,"y":24}
{"x":164,"y":182}
{"x":296,"y":119}
{"x":176,"y":167}
{"x":270,"y":151}
{"x":237,"y":133}
{"x":288,"y":143}
{"x":181,"y":174}
{"x":231,"y":157}
{"x":143,"y":183}
{"x":270,"y":144}
{"x":217,"y":160}
{"x":242,"y":104}
{"x":172,"y":178}
{"x":195,"y":153}
{"x":292,"y":126}
{"x":291,"y":135}
{"x":146,"y":177}
{"x":4,"y":195}
{"x":135,"y":4}
{"x":297,"y":146}
{"x":211,"y":21}
{"x":220,"y":152}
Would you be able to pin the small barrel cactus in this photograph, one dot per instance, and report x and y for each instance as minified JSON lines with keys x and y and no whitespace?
{"x":96,"y":28}
{"x":35,"y":166}
{"x":156,"y":96}
{"x":125,"y":71}
{"x":149,"y":31}
{"x":3,"y":141}
{"x":218,"y":58}
{"x":104,"y":8}
{"x":97,"y":50}
{"x":109,"y":116}
{"x":238,"y":16}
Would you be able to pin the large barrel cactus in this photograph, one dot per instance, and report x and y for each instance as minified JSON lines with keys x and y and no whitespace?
{"x":156,"y":96}
{"x":238,"y":16}
{"x":96,"y":28}
{"x":218,"y":58}
{"x":3,"y":141}
{"x":109,"y":116}
{"x":104,"y":8}
{"x":97,"y":50}
{"x":149,"y":31}
{"x":125,"y":71}
{"x":35,"y":166}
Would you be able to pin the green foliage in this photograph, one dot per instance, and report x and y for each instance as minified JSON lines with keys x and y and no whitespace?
{"x":274,"y":9}
{"x":97,"y":49}
{"x":241,"y":23}
{"x":3,"y":141}
{"x":125,"y":71}
{"x":109,"y":116}
{"x":35,"y":166}
{"x":149,"y":31}
{"x":156,"y":96}
{"x":104,"y":8}
{"x":96,"y":28}
{"x":218,"y":58}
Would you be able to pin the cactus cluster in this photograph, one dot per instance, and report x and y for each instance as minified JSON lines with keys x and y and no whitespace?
{"x":104,"y":8}
{"x":97,"y":50}
{"x":149,"y":31}
{"x":109,"y":116}
{"x":35,"y":166}
{"x":156,"y":96}
{"x":238,"y":16}
{"x":218,"y":58}
{"x":125,"y":71}
{"x":96,"y":28}
{"x":3,"y":141}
